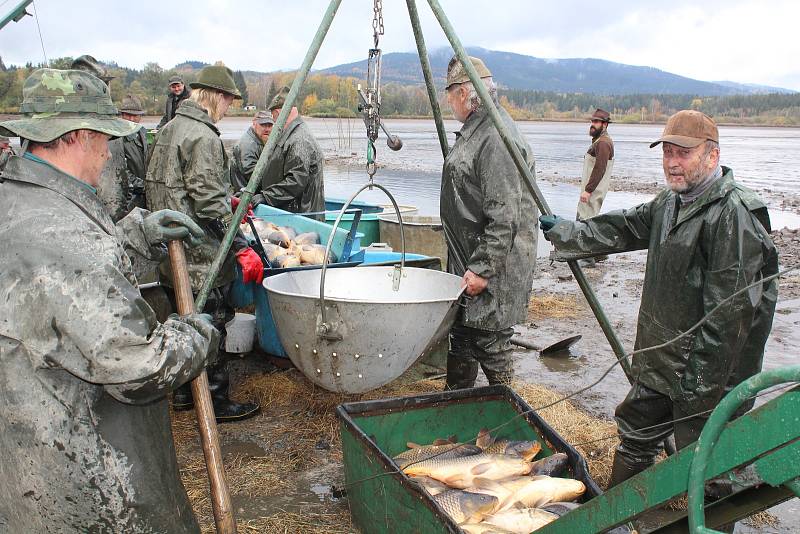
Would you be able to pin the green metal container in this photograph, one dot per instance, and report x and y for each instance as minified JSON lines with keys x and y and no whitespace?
{"x":383,"y":500}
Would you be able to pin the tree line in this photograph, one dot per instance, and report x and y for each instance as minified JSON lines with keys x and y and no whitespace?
{"x":326,"y":95}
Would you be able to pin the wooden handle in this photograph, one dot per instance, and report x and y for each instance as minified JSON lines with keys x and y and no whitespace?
{"x":204,"y":409}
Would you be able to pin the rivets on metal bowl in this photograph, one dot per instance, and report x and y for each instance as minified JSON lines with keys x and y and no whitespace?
{"x":359,"y":375}
{"x":380,"y":355}
{"x":338,"y":374}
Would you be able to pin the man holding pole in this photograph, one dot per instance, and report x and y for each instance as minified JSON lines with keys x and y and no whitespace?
{"x":86,"y":368}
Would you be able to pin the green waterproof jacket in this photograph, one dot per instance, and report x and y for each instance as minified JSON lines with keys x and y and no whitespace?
{"x":113,"y":187}
{"x":86,"y":367}
{"x":698,"y":255}
{"x":188,"y":172}
{"x":135,"y":147}
{"x":293,"y":180}
{"x":245,"y":157}
{"x":490,"y":221}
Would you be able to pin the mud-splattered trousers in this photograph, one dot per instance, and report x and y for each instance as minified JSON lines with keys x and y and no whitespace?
{"x":490,"y":225}
{"x":698,"y":255}
{"x":85,"y":367}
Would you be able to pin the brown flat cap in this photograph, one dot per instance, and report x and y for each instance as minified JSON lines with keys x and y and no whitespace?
{"x":131,"y":105}
{"x":456,"y":73}
{"x":263,"y":117}
{"x":688,"y":129}
{"x":175,"y":79}
{"x":601,"y":115}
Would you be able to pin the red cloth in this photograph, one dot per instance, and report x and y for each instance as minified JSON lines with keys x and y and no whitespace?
{"x":235,"y":203}
{"x":251,"y":264}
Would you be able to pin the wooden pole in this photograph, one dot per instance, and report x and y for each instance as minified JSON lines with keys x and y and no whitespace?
{"x":204,"y":409}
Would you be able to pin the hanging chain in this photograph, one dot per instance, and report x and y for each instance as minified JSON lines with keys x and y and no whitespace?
{"x":377,"y":20}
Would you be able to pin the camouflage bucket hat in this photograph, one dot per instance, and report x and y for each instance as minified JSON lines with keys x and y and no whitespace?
{"x":457,"y":74}
{"x":279,"y":99}
{"x":59,"y":101}
{"x":219,"y":78}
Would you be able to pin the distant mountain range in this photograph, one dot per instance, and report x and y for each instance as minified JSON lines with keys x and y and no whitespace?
{"x":517,"y":71}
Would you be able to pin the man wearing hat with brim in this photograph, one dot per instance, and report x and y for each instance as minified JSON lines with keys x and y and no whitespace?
{"x":249,"y":148}
{"x":293,"y":180}
{"x":114,"y":186}
{"x":84,"y":424}
{"x":489,"y":222}
{"x":706,"y":237}
{"x":135,"y":148}
{"x":178,"y":92}
{"x":598,"y":163}
{"x":5,"y":151}
{"x":188,"y":172}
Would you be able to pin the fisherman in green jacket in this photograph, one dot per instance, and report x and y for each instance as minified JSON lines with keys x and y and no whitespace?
{"x":188,"y":172}
{"x":489,"y":222}
{"x":249,"y":148}
{"x":293,"y":179}
{"x":86,"y":367}
{"x":707,"y":237}
{"x":135,"y":150}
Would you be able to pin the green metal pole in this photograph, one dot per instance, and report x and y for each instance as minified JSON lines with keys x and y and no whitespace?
{"x":529,"y":181}
{"x":260,"y":168}
{"x":794,"y":485}
{"x":711,"y":433}
{"x":16,"y":13}
{"x":428,"y":74}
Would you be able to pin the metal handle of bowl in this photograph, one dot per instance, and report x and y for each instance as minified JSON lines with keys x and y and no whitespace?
{"x":324,"y":328}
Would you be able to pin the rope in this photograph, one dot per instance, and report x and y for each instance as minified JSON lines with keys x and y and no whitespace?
{"x":617,"y":361}
{"x":41,"y":41}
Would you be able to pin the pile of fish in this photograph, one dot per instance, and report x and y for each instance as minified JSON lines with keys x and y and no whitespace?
{"x":494,"y":486}
{"x":284,"y":247}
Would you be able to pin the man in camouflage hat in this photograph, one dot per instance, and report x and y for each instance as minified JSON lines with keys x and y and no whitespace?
{"x":135,"y":149}
{"x":293,"y":180}
{"x":248,"y":149}
{"x":489,"y":222}
{"x":5,"y":151}
{"x":84,"y":424}
{"x":706,"y":237}
{"x":178,"y":92}
{"x":114,"y":187}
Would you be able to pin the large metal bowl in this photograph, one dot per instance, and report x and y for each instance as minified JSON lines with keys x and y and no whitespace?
{"x":374,"y":333}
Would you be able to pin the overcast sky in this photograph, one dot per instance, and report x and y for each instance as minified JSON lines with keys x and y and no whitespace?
{"x":747,"y":41}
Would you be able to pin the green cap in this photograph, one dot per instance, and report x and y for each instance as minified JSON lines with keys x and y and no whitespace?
{"x":279,"y":99}
{"x":92,"y":66}
{"x":59,"y":101}
{"x":217,"y":77}
{"x":457,"y":74}
{"x":131,"y":105}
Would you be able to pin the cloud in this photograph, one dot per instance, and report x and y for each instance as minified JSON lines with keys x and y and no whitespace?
{"x":739,"y":40}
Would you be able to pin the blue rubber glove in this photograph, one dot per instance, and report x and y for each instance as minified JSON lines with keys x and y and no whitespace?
{"x":549,"y":221}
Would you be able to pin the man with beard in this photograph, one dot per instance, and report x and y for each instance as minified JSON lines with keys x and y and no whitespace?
{"x":596,"y":177}
{"x":707,"y":238}
{"x":248,"y":149}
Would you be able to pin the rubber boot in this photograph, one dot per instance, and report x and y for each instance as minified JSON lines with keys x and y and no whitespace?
{"x":622,"y":469}
{"x":225,"y":409}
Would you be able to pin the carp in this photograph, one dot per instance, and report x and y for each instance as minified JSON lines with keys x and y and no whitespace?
{"x":307,"y":238}
{"x":524,"y":449}
{"x":282,"y":236}
{"x":534,"y":491}
{"x":430,"y":485}
{"x":521,"y":521}
{"x":552,"y":466}
{"x":314,"y":254}
{"x":420,"y":453}
{"x":465,"y":507}
{"x":460,"y":472}
{"x":286,"y":260}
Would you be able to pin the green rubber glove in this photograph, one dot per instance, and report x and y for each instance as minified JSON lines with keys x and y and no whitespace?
{"x":169,"y":225}
{"x":549,"y":221}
